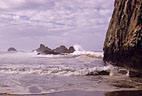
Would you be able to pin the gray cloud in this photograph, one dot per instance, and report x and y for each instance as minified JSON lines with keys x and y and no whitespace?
{"x":54,"y":22}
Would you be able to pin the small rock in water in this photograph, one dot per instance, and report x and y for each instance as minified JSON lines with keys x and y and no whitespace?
{"x":71,"y":49}
{"x":12,"y":49}
{"x":123,"y":71}
{"x":123,"y":84}
{"x":104,"y":72}
{"x":135,"y":74}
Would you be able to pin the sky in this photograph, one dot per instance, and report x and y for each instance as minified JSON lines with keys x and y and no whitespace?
{"x":25,"y":24}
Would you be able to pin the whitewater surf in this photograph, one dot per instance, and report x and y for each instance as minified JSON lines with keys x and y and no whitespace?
{"x":81,"y":71}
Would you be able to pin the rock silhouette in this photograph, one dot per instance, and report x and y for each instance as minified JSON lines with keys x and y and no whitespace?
{"x":12,"y":49}
{"x":59,"y":50}
{"x":71,"y":49}
{"x":44,"y":50}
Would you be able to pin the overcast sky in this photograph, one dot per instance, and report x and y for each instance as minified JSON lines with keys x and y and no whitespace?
{"x":24,"y":24}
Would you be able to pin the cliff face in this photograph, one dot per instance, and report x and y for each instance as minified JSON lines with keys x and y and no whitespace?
{"x":123,"y":43}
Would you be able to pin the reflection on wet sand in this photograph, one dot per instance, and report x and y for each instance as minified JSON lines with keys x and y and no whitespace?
{"x":64,"y":93}
{"x":85,"y":93}
{"x":125,"y":93}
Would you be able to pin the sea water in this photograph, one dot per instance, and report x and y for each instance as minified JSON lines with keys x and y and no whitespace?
{"x":31,"y":74}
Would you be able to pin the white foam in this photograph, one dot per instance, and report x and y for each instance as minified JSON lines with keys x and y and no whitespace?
{"x":80,"y":51}
{"x":89,"y":53}
{"x":86,"y":71}
{"x":50,"y":56}
{"x":53,"y":70}
{"x":18,"y":54}
{"x":78,"y":48}
{"x":17,"y":63}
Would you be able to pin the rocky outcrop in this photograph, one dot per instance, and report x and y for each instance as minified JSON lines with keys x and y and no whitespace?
{"x":59,"y":50}
{"x":103,"y":72}
{"x":71,"y":49}
{"x":125,"y":93}
{"x":44,"y":50}
{"x":63,"y":49}
{"x":123,"y":43}
{"x":12,"y":49}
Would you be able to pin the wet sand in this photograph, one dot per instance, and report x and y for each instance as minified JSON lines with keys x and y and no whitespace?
{"x":78,"y":93}
{"x":64,"y":93}
{"x":30,"y":76}
{"x":84,"y":93}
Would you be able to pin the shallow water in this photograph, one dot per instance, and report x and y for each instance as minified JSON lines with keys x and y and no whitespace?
{"x":28,"y":73}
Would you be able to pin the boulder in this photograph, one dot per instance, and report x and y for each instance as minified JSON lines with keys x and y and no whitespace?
{"x":124,"y":93}
{"x":135,"y":74}
{"x":62,"y":49}
{"x":12,"y":49}
{"x":123,"y":71}
{"x":71,"y":49}
{"x":123,"y":43}
{"x":103,"y":72}
{"x":44,"y":50}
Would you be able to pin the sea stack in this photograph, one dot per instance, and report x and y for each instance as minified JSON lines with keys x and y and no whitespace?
{"x":12,"y":49}
{"x":123,"y":43}
{"x":44,"y":50}
{"x":63,"y":49}
{"x":59,"y":50}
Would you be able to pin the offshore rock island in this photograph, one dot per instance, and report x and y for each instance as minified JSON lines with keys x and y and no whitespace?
{"x":59,"y":50}
{"x":12,"y":49}
{"x":123,"y":43}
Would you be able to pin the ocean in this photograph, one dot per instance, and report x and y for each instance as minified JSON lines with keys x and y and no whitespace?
{"x":76,"y":74}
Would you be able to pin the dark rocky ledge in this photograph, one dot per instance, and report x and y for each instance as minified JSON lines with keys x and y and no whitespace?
{"x":123,"y":43}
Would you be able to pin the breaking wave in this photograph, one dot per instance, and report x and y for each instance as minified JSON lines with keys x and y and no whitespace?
{"x":54,"y":70}
{"x":80,"y":51}
{"x":31,"y":63}
{"x":63,"y":71}
{"x":78,"y":48}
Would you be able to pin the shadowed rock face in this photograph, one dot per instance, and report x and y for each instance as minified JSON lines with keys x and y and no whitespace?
{"x":59,"y":50}
{"x":125,"y":93}
{"x":11,"y":49}
{"x":123,"y":43}
{"x":63,"y":49}
{"x":71,"y":49}
{"x":44,"y":50}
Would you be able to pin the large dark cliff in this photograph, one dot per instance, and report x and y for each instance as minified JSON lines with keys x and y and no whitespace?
{"x":123,"y":43}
